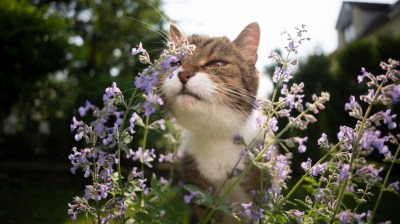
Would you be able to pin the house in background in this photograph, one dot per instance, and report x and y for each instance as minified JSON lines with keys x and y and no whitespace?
{"x":367,"y":20}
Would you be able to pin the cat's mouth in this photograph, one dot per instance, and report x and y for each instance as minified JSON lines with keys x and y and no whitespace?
{"x":186,"y":92}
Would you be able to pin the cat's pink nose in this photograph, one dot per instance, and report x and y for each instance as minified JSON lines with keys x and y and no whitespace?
{"x":184,"y":76}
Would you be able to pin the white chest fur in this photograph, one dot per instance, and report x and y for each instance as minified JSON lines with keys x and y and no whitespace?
{"x":217,"y":156}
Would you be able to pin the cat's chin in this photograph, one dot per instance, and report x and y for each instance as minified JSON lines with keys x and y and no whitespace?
{"x":187,"y":101}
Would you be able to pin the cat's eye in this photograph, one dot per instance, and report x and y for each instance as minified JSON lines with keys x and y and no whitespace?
{"x":216,"y":64}
{"x":175,"y":64}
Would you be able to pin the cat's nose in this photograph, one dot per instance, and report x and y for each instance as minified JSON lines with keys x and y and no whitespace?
{"x":184,"y":76}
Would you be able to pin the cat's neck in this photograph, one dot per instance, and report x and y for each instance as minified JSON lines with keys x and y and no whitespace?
{"x":226,"y":125}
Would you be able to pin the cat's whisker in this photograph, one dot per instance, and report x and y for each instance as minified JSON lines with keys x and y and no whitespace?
{"x":151,"y":27}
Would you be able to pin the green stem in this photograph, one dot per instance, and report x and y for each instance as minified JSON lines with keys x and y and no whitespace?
{"x":384,"y":185}
{"x":121,"y":130}
{"x":171,"y":171}
{"x":146,"y":131}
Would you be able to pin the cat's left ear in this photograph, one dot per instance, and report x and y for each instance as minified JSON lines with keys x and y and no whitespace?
{"x":248,"y":41}
{"x":175,"y":35}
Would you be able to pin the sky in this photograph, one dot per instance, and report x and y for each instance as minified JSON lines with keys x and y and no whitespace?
{"x":229,"y":17}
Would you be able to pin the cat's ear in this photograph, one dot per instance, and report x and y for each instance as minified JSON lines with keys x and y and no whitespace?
{"x":175,"y":35}
{"x":248,"y":41}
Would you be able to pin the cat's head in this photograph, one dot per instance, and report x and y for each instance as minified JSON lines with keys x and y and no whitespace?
{"x":214,"y":89}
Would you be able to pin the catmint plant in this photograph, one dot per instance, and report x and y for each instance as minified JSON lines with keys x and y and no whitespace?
{"x":345,"y":171}
{"x":111,"y":196}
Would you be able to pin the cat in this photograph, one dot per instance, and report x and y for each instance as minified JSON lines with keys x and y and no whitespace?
{"x":212,"y":96}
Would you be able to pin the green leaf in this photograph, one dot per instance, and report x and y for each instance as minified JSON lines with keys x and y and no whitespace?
{"x":203,"y":197}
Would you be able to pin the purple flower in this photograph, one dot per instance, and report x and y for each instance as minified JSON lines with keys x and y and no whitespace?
{"x":139,"y":49}
{"x":79,"y":159}
{"x":168,"y":158}
{"x":348,"y":136}
{"x":344,"y":172}
{"x":75,"y":123}
{"x":302,"y":148}
{"x":247,"y":208}
{"x":395,"y":186}
{"x":84,"y":110}
{"x":323,"y":141}
{"x":396,"y":94}
{"x":354,"y":107}
{"x":160,"y":123}
{"x":293,"y":45}
{"x":151,"y":101}
{"x":170,"y":64}
{"x":320,"y":194}
{"x":145,"y":156}
{"x":369,"y":97}
{"x":112,"y":92}
{"x":147,"y":80}
{"x":273,"y":124}
{"x":364,"y":74}
{"x":189,"y":197}
{"x":282,"y":166}
{"x":282,"y":74}
{"x":306,"y":165}
{"x":318,"y":169}
{"x":369,"y":173}
{"x":388,"y":119}
{"x":132,"y":122}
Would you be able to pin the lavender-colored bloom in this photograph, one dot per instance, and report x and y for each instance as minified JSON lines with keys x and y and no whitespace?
{"x":167,"y":158}
{"x":396,"y":94}
{"x":293,"y":45}
{"x":369,"y":97}
{"x":306,"y":165}
{"x":261,"y":120}
{"x":189,"y":197}
{"x":282,"y":74}
{"x":247,"y":208}
{"x":388,"y":119}
{"x":282,"y":167}
{"x":111,"y":92}
{"x":162,"y":213}
{"x":363,"y":74}
{"x":79,"y":159}
{"x":302,"y":148}
{"x":139,"y":49}
{"x":273,"y":124}
{"x":345,"y":217}
{"x":75,"y":123}
{"x":160,"y":123}
{"x":147,"y":80}
{"x":151,"y":101}
{"x":320,"y":194}
{"x":395,"y":186}
{"x":318,"y":169}
{"x":170,"y":64}
{"x":323,"y":141}
{"x":145,"y":156}
{"x":298,"y":214}
{"x":344,"y":172}
{"x":132,"y":122}
{"x":258,"y":215}
{"x":369,"y":173}
{"x":347,"y":135}
{"x":354,"y":107}
{"x":84,"y":110}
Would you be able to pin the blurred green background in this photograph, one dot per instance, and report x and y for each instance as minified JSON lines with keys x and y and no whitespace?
{"x":55,"y":55}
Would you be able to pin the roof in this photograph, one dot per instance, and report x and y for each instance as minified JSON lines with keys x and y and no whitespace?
{"x":344,"y":18}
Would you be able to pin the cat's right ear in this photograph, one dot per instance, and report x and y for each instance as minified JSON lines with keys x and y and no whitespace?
{"x":175,"y":35}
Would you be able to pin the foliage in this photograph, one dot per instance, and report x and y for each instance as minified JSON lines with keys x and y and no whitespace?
{"x":57,"y":54}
